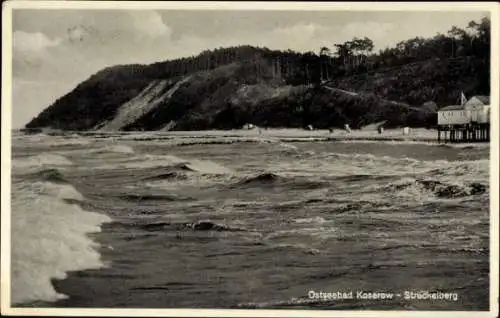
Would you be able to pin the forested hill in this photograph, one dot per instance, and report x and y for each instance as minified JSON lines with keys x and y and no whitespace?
{"x":228,"y":87}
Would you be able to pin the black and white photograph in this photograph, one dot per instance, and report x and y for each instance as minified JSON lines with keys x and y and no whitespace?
{"x":303,"y":158}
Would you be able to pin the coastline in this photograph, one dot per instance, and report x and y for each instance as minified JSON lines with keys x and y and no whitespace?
{"x":415,"y":135}
{"x":295,"y":134}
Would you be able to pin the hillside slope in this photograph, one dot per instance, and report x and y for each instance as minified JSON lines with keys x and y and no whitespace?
{"x":440,"y":80}
{"x":229,"y":92}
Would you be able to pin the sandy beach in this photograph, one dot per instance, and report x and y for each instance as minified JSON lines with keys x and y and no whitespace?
{"x":418,"y":134}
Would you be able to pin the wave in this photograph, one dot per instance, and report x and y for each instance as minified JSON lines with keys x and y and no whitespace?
{"x":313,"y":230}
{"x":169,"y":175}
{"x":347,"y":165}
{"x":206,"y":166}
{"x":437,"y":188}
{"x":466,"y":146}
{"x":304,"y":248}
{"x":194,"y":226}
{"x":181,"y":141}
{"x":475,"y":168}
{"x":171,"y":162}
{"x":441,"y":189}
{"x":287,"y":147}
{"x":135,"y":197}
{"x":362,"y":206}
{"x":52,"y":175}
{"x":156,"y":226}
{"x":272,"y":179}
{"x":211,"y":226}
{"x":40,"y":160}
{"x":54,"y":140}
{"x":367,"y":158}
{"x":49,"y":238}
{"x":266,"y":177}
{"x":417,"y":142}
{"x":58,"y":191}
{"x":363,"y":177}
{"x":210,"y":141}
{"x":316,"y":220}
{"x":115,"y":149}
{"x":69,"y":142}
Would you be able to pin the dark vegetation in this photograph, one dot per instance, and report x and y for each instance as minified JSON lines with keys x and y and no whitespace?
{"x":403,"y":85}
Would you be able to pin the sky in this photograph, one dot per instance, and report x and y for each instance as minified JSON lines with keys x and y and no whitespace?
{"x":56,"y":49}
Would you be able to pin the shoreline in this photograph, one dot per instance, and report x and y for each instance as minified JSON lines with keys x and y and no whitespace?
{"x":284,"y":134}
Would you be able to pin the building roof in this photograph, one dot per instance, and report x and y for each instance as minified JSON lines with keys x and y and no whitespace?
{"x":451,"y":107}
{"x":484,"y":99}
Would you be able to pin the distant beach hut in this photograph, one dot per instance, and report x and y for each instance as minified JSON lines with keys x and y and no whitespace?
{"x":374,"y":126}
{"x":248,"y":126}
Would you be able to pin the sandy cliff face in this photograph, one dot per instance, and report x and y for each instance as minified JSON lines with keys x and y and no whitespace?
{"x":157,"y":92}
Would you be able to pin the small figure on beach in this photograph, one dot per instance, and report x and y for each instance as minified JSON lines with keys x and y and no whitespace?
{"x":347,"y":128}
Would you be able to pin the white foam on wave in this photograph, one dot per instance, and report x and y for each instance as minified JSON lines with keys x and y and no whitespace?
{"x":420,"y":190}
{"x":153,"y":161}
{"x":51,"y":141}
{"x":40,"y":160}
{"x":467,"y":145}
{"x":49,"y":239}
{"x":340,"y":164}
{"x":140,"y":162}
{"x":69,"y":142}
{"x":206,"y":166}
{"x":278,"y":142}
{"x":316,"y":220}
{"x":56,"y":190}
{"x":466,"y":170}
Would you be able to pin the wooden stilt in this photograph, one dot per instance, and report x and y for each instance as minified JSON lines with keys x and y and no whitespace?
{"x":474,"y":132}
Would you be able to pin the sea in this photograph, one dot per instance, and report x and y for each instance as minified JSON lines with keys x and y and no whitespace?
{"x":153,"y":220}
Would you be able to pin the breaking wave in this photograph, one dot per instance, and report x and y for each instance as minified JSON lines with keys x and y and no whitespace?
{"x":49,"y":239}
{"x":173,"y":162}
{"x":267,"y":177}
{"x":211,"y":226}
{"x":437,"y":188}
{"x":206,"y":166}
{"x":51,"y":175}
{"x":168,"y":175}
